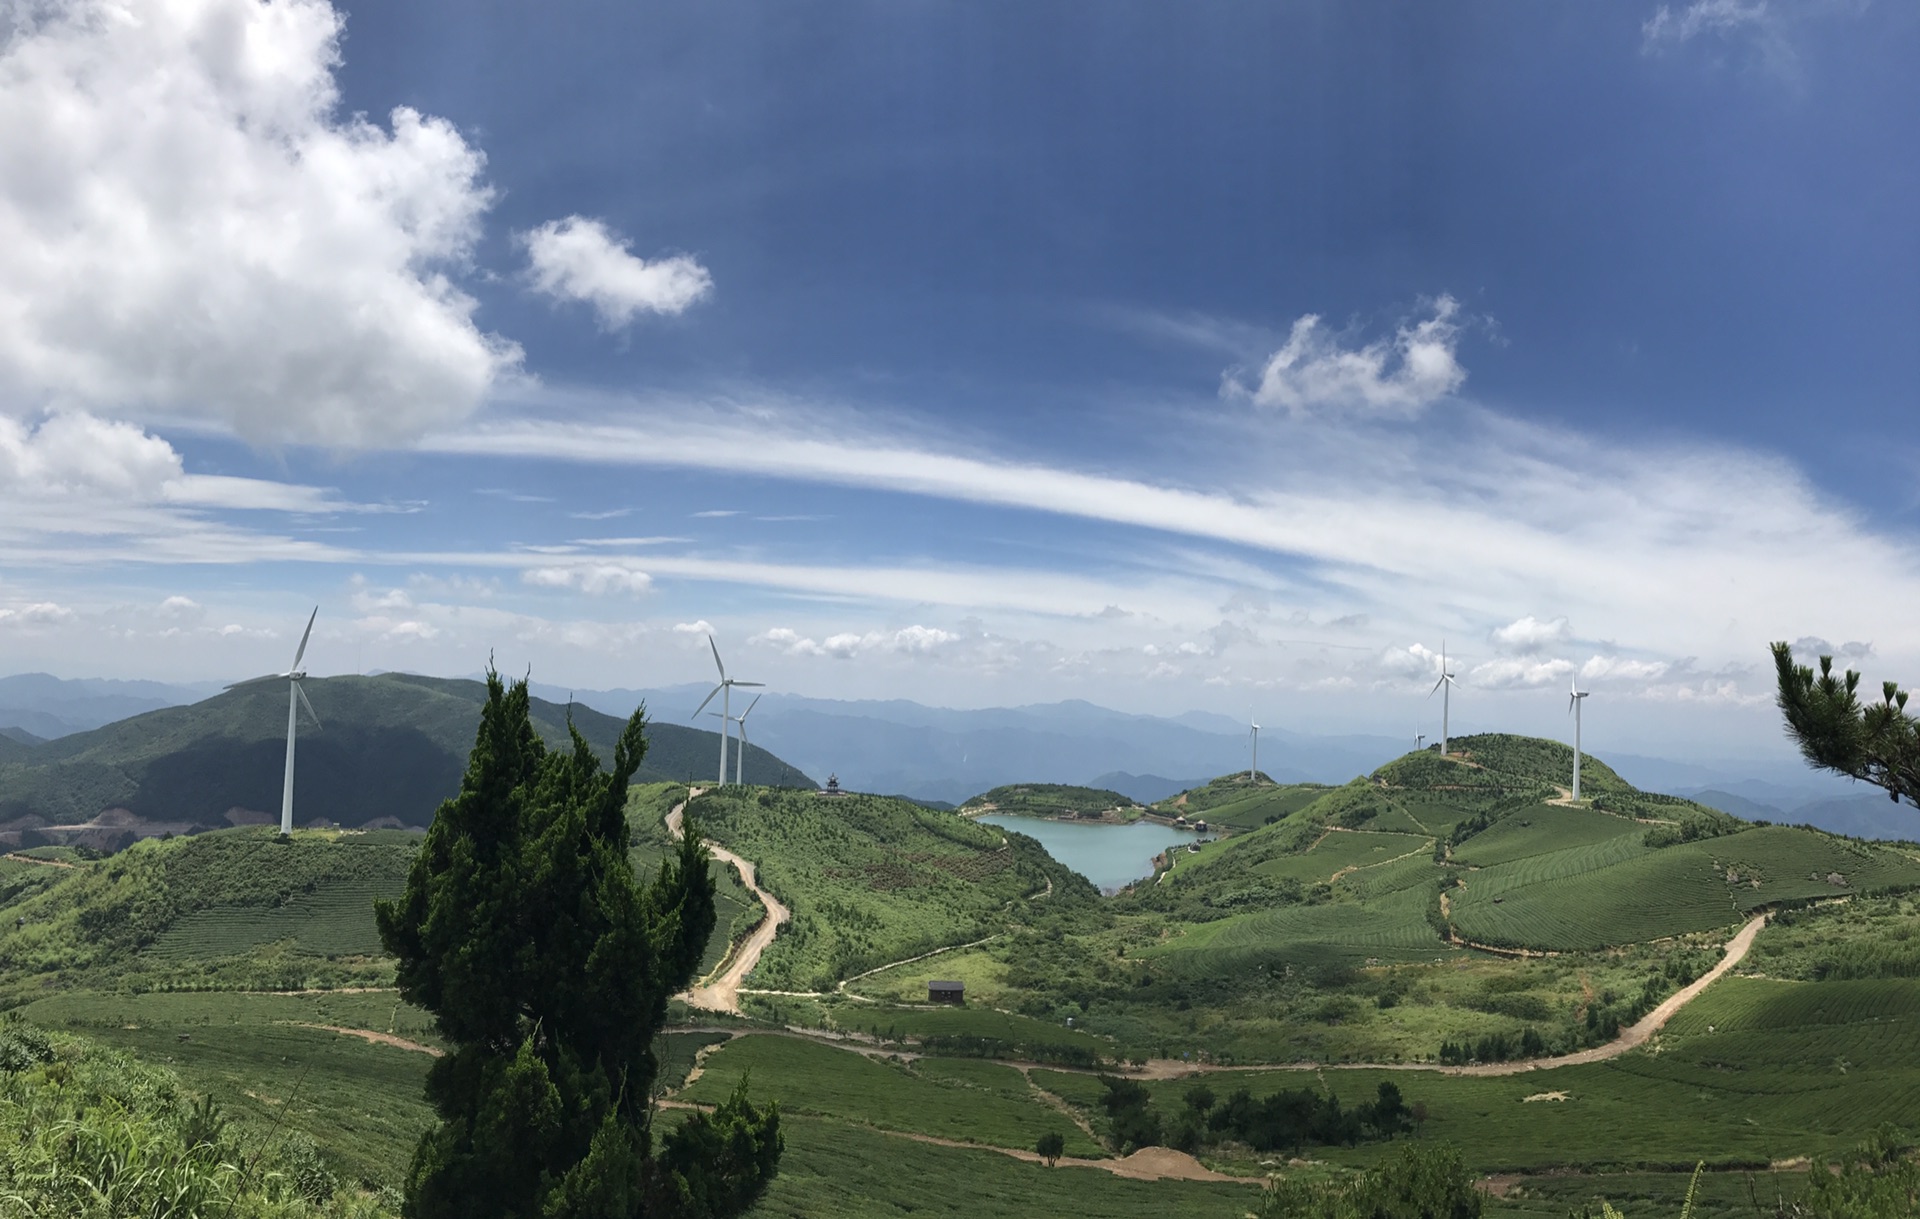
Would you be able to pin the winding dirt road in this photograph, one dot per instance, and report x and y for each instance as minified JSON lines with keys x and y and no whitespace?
{"x":722,"y":992}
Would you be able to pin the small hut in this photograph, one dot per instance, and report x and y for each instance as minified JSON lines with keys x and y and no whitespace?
{"x":946,"y":992}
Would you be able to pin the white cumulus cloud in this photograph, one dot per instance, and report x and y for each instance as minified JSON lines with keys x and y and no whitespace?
{"x":38,"y":613}
{"x":1515,"y":672}
{"x":1529,"y":634}
{"x":578,"y":259}
{"x":1614,"y":668}
{"x":188,"y":225}
{"x":1400,"y":375}
{"x":77,"y":454}
{"x":907,"y":641}
{"x":593,"y":579}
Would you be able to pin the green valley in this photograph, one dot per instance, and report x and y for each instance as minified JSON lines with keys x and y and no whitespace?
{"x":1454,"y":927}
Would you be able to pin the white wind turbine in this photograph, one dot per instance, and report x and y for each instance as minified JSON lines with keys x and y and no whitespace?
{"x":1445,"y":686}
{"x":296,"y":699}
{"x":725,"y":691}
{"x":740,"y":754}
{"x":1253,"y":770}
{"x":1574,"y":695}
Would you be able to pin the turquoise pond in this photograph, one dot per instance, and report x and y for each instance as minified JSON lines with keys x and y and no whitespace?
{"x":1108,"y":855}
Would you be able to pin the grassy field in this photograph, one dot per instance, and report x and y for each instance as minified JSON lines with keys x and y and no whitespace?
{"x":1617,"y":891}
{"x":258,"y":1057}
{"x":836,"y":1170}
{"x":966,"y":1100}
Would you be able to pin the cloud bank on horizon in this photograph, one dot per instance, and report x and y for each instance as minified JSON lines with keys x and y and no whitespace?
{"x":575,"y":379}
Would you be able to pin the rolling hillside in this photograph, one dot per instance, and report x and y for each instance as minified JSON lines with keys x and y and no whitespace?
{"x":389,"y":749}
{"x":1053,"y":800}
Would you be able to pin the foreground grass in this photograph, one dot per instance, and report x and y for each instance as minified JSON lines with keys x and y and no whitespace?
{"x":87,"y":1132}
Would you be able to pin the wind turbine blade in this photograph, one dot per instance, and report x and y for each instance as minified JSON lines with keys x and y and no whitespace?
{"x":254,"y":681}
{"x":716,"y":658}
{"x":311,"y":714}
{"x":705,"y":701}
{"x":749,"y":711}
{"x":306,"y":635}
{"x":1437,"y":685}
{"x":749,"y":683}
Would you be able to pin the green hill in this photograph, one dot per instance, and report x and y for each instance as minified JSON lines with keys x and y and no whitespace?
{"x":1347,"y":922}
{"x":876,"y":879}
{"x":388,"y":750}
{"x":1053,"y":800}
{"x":1235,"y":802}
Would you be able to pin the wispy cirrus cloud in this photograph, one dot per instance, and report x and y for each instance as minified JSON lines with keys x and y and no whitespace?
{"x":1671,"y":549}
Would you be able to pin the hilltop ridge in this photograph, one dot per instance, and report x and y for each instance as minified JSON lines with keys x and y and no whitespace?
{"x":388,"y":751}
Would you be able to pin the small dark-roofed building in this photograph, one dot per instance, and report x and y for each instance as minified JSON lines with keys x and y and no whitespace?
{"x":946,"y":992}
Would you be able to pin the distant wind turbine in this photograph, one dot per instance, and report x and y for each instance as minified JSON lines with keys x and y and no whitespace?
{"x":1253,"y":770}
{"x":1574,"y":695}
{"x":740,"y":754}
{"x":1419,"y":740}
{"x":1445,"y":686}
{"x":296,"y":699}
{"x":725,"y":691}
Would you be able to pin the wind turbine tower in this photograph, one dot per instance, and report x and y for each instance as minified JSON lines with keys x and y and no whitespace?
{"x":1253,"y":769}
{"x":296,"y":699}
{"x":725,"y":691}
{"x":1445,"y":687}
{"x":1574,"y":695}
{"x":740,"y":754}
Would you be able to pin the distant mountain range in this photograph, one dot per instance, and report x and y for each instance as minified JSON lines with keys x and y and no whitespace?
{"x":945,"y":755}
{"x":44,"y":707}
{"x":939,"y":753}
{"x":389,"y":750}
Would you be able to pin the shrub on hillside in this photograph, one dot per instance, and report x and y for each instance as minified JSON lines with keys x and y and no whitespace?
{"x":1422,"y":1181}
{"x":88,"y":1132}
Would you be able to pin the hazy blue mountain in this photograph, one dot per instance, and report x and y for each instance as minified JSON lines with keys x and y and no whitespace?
{"x":50,"y":707}
{"x":943,"y":753}
{"x":1863,"y":816}
{"x":1146,"y":789}
{"x":1739,"y":806}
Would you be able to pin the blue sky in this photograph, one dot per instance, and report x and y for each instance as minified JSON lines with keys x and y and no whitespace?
{"x":1169,"y":356}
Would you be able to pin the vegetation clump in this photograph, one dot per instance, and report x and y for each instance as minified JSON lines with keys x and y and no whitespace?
{"x":548,"y":969}
{"x":1420,"y":1182}
{"x":91,"y":1133}
{"x":1284,"y":1120}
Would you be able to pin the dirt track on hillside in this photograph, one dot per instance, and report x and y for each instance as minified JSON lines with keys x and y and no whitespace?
{"x":722,"y":994}
{"x":378,"y":1038}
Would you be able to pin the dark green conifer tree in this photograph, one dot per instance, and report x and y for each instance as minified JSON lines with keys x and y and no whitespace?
{"x":1875,"y":741}
{"x":548,"y":969}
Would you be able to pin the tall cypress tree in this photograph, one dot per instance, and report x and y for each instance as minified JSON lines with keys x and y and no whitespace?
{"x":547,"y":969}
